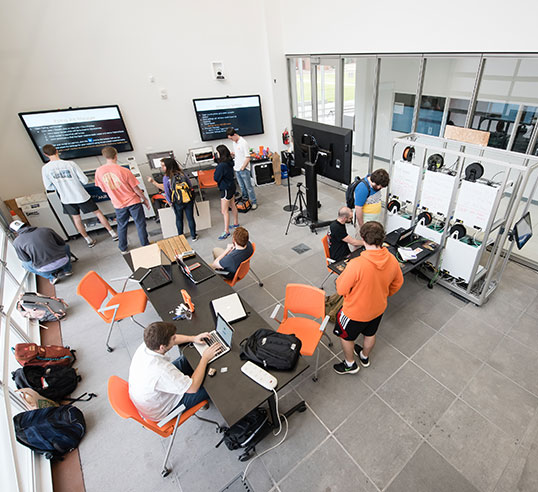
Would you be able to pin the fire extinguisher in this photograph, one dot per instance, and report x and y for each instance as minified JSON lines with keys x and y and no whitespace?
{"x":286,"y":137}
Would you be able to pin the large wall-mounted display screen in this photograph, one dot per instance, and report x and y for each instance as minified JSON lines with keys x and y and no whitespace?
{"x":215,"y":115}
{"x":80,"y":132}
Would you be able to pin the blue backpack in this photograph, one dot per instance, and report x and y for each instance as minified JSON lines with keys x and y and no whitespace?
{"x":52,"y":431}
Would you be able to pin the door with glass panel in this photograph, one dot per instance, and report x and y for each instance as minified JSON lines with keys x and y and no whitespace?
{"x":328,"y":84}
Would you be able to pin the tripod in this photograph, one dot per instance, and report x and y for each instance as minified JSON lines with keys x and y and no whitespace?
{"x":301,"y":219}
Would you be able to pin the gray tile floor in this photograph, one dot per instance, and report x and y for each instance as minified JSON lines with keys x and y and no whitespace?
{"x":449,"y":402}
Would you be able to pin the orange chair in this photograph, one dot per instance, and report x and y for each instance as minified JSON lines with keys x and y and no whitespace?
{"x":243,"y":269}
{"x":120,"y":305}
{"x":206,"y":179}
{"x":309,"y":301}
{"x":328,"y":259}
{"x":118,"y":396}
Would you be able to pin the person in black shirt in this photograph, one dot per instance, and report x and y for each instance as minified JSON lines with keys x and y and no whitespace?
{"x":339,"y":239}
{"x":224,"y":176}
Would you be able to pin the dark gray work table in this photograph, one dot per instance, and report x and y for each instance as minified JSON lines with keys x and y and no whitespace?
{"x":233,"y":393}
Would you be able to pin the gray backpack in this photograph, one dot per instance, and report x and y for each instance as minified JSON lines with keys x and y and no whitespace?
{"x":42,"y":308}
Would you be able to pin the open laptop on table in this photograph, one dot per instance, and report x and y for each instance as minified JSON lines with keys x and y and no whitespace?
{"x":222,"y":335}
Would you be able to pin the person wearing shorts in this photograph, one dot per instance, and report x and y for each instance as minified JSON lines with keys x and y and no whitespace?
{"x":68,"y":180}
{"x":224,"y":176}
{"x":366,"y":283}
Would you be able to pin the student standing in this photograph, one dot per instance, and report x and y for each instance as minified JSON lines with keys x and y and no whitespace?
{"x":241,"y":157}
{"x":178,"y":192}
{"x":368,"y":198}
{"x":127,"y":198}
{"x":365,"y":283}
{"x":224,"y":176}
{"x":68,"y":179}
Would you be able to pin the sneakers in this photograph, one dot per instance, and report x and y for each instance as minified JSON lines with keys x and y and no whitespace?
{"x":126,"y":252}
{"x":194,"y":238}
{"x":224,"y":235}
{"x":254,"y":206}
{"x":91,"y":243}
{"x":234,"y":226}
{"x":342,"y":368}
{"x":115,"y":237}
{"x":364,"y":362}
{"x":64,"y":274}
{"x":54,"y":280}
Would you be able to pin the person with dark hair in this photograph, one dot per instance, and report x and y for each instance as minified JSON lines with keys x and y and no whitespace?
{"x":368,"y":198}
{"x":68,"y":180}
{"x":42,"y":251}
{"x":224,"y":176}
{"x":338,"y":238}
{"x":365,"y":283}
{"x":236,"y":253}
{"x":156,"y":385}
{"x":178,"y":192}
{"x":121,"y":185}
{"x":241,"y":157}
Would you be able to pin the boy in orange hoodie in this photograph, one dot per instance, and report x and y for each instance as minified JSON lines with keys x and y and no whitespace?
{"x":365,"y":283}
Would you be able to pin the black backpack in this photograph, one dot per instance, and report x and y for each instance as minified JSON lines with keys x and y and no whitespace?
{"x":242,"y":433}
{"x":271,"y":350}
{"x":52,"y":431}
{"x":350,"y":192}
{"x":53,"y":382}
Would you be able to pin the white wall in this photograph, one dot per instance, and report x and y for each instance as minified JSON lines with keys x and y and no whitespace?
{"x":73,"y":53}
{"x":390,"y":26}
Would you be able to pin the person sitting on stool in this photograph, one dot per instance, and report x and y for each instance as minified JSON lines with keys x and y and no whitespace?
{"x":42,"y":251}
{"x":236,"y":253}
{"x":156,"y":385}
{"x":338,"y":238}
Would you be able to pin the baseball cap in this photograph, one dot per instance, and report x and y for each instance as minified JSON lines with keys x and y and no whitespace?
{"x":16,"y":225}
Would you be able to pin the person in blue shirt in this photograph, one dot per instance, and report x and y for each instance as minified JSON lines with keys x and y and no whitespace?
{"x":224,"y":176}
{"x":368,"y":198}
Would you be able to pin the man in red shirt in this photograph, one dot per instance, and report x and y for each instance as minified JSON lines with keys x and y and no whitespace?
{"x":127,"y":198}
{"x":365,"y":283}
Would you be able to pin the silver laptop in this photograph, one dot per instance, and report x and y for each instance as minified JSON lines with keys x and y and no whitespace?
{"x":229,"y":307}
{"x":222,"y":334}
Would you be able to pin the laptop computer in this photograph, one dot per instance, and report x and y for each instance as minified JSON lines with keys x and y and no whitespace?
{"x":222,"y":334}
{"x":407,"y":237}
{"x":229,"y":307}
{"x":396,"y":237}
{"x":152,"y":278}
{"x":197,"y":275}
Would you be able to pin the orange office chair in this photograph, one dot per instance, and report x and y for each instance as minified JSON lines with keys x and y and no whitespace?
{"x":243,"y":269}
{"x":95,"y":291}
{"x":118,"y":396}
{"x":328,"y":259}
{"x":308,"y":301}
{"x":206,"y":180}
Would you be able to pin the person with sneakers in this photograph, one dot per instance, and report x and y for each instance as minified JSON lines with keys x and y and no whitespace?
{"x":236,"y":253}
{"x":241,"y":157}
{"x":338,"y":238}
{"x":121,"y":185}
{"x":365,"y":283}
{"x":178,"y":191}
{"x":224,"y":176}
{"x":42,"y":251}
{"x":157,"y":385}
{"x":68,"y":180}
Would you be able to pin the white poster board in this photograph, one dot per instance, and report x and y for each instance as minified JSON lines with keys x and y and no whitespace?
{"x":436,"y":192}
{"x":475,"y":204}
{"x":404,"y":181}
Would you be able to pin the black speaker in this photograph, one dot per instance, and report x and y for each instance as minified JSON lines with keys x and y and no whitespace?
{"x":289,"y":160}
{"x":263,"y":173}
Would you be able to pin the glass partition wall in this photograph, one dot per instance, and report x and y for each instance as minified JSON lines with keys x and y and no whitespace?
{"x":383,"y":96}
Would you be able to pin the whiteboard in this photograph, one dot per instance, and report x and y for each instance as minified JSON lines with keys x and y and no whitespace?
{"x":475,"y":204}
{"x":436,"y":192}
{"x":403,"y":182}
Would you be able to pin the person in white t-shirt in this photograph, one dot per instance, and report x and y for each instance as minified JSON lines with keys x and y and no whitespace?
{"x":156,"y":385}
{"x":68,"y":180}
{"x":241,"y":157}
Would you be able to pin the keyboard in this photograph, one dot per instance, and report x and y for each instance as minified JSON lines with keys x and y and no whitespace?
{"x":212,"y":339}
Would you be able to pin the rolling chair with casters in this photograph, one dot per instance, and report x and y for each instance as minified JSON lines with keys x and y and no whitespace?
{"x":328,"y":259}
{"x":118,"y":396}
{"x":243,"y":269}
{"x":95,"y":291}
{"x":309,"y":301}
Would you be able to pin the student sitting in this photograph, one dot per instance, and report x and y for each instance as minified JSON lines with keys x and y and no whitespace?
{"x":236,"y":253}
{"x":338,"y":238}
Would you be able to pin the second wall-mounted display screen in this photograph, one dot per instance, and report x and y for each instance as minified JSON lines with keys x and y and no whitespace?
{"x":215,"y":115}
